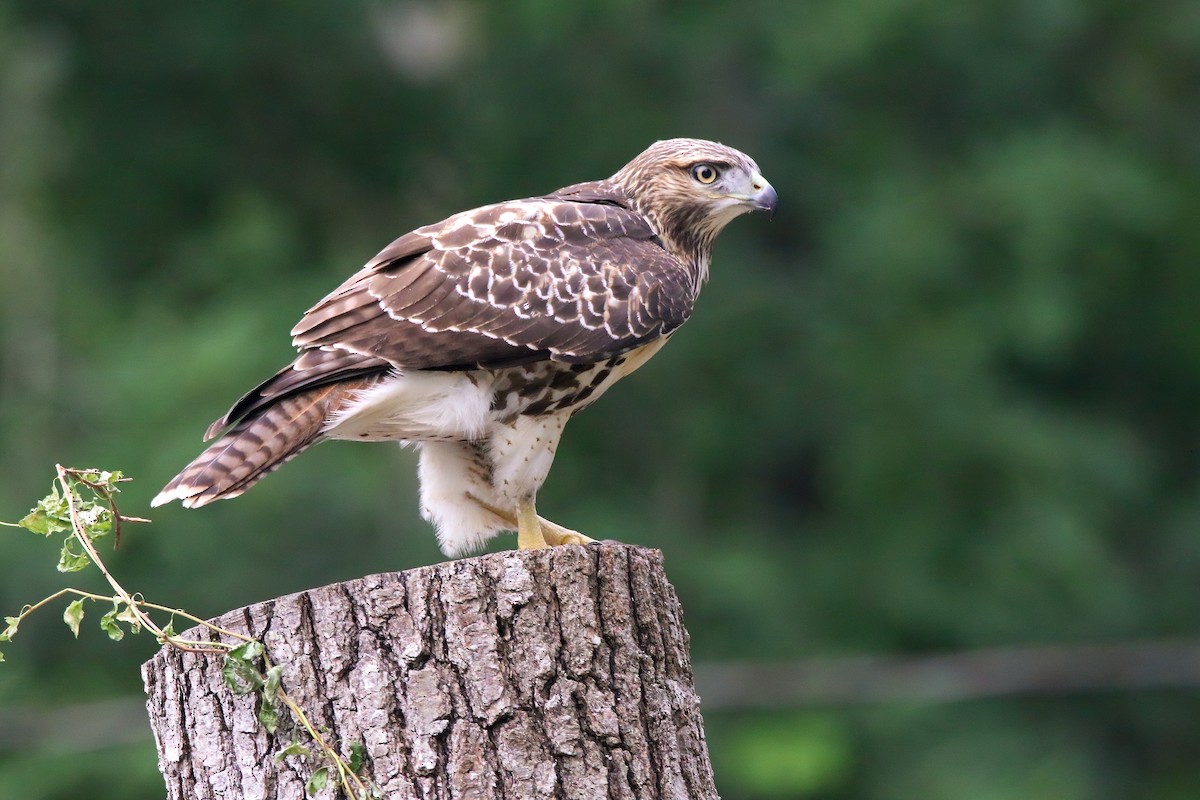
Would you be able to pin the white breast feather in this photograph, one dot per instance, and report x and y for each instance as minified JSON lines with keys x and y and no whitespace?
{"x":522,"y":453}
{"x":417,"y":406}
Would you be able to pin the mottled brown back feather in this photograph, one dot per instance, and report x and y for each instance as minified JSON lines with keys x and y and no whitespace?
{"x":487,"y":292}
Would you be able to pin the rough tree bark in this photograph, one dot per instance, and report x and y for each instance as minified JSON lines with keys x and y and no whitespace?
{"x":560,"y":673}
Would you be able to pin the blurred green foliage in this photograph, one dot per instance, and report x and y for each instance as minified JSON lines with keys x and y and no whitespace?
{"x":947,"y":399}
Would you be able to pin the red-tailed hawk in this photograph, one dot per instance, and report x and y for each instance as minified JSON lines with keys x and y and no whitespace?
{"x":476,"y":338}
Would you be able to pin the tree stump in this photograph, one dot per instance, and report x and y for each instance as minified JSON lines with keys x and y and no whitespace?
{"x":559,"y":673}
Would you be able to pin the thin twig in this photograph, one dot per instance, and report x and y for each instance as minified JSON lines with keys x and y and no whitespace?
{"x":80,"y":532}
{"x":137,"y":604}
{"x":68,"y":479}
{"x":107,"y":495}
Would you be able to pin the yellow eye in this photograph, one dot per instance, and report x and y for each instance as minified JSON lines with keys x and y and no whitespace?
{"x":705,"y":173}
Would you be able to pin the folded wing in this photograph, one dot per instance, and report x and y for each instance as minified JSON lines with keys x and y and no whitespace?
{"x":575,"y":277}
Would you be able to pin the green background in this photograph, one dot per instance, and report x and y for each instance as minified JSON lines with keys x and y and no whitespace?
{"x":946,"y":400}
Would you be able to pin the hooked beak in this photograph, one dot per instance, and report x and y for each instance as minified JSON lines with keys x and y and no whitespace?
{"x":764,"y":197}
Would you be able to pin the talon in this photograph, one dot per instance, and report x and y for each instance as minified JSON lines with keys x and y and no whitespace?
{"x":564,"y":536}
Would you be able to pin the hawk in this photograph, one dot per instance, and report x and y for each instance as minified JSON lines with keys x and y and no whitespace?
{"x":476,"y":338}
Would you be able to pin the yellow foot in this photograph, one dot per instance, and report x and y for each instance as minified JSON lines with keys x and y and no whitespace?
{"x":529,"y":527}
{"x":557,"y":534}
{"x":549,"y":533}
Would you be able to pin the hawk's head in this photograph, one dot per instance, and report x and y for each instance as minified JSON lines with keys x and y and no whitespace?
{"x":691,"y":188}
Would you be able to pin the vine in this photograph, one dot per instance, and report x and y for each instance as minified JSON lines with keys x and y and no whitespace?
{"x":82,"y":507}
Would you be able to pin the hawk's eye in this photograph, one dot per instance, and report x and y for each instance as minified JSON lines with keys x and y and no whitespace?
{"x":705,"y":173}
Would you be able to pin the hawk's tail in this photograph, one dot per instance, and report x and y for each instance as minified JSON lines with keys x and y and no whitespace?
{"x":255,"y":446}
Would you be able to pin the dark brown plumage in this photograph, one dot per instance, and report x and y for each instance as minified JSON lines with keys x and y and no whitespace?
{"x":494,"y":324}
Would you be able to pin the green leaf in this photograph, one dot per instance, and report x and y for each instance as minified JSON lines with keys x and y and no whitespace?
{"x":293,"y":749}
{"x":246,"y":651}
{"x":358,"y":756}
{"x":1,"y":658}
{"x":10,"y":631}
{"x":129,"y":616}
{"x":268,"y":714}
{"x":108,"y":623}
{"x":106,"y":479}
{"x":73,"y":616}
{"x":239,"y":671}
{"x":96,"y":520}
{"x":240,"y":676}
{"x":318,"y":781}
{"x":274,"y":678}
{"x":268,"y":709}
{"x":51,"y":515}
{"x":70,"y":559}
{"x":102,"y":477}
{"x":38,"y":521}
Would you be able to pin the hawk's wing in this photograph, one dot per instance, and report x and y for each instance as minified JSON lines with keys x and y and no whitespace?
{"x":573,"y":276}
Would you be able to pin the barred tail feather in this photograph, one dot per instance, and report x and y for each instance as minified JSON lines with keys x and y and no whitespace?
{"x":254,"y":447}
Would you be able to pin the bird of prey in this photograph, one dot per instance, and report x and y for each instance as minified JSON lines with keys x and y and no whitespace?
{"x":476,"y":338}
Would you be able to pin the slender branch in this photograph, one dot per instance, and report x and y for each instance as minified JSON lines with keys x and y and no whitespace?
{"x":138,"y":606}
{"x":179,"y":612}
{"x":344,"y":771}
{"x":107,"y":495}
{"x":135,"y":602}
{"x":81,"y":532}
{"x":29,"y":609}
